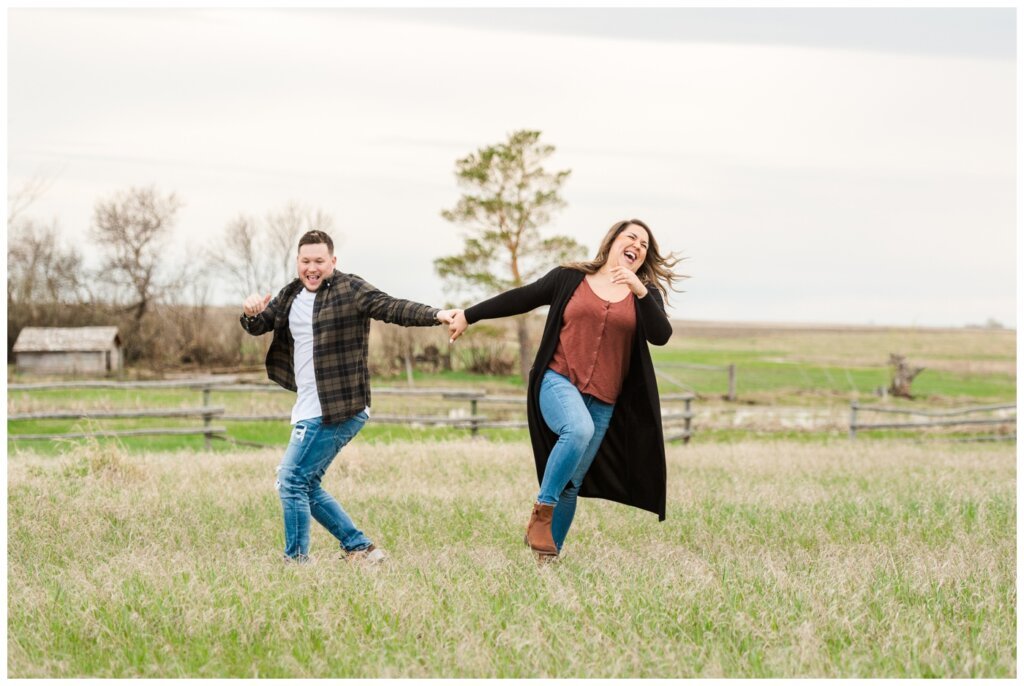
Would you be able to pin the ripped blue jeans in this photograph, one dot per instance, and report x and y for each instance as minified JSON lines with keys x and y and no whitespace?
{"x":312,"y":448}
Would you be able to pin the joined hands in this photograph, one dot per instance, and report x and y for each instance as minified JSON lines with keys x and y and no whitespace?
{"x":445,"y":316}
{"x":456,"y":321}
{"x":458,"y":325}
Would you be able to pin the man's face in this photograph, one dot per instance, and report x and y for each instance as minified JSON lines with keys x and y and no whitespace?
{"x":315,"y":263}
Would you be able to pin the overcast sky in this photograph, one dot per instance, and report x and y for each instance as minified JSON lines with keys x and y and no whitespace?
{"x":813,"y":165}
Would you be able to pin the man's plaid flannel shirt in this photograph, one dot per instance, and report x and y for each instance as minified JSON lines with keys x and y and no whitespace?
{"x":342,"y":310}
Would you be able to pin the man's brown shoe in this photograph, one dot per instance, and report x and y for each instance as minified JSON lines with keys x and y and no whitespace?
{"x":538,"y":531}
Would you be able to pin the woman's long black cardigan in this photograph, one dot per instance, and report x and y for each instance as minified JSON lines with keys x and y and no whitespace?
{"x":630,"y":464}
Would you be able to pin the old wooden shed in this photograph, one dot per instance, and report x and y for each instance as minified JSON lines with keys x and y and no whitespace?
{"x":83,"y":350}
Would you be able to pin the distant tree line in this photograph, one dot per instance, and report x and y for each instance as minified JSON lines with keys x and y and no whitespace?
{"x":161,"y":305}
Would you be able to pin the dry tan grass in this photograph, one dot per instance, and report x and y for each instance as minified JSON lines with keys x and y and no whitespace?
{"x":777,"y":559}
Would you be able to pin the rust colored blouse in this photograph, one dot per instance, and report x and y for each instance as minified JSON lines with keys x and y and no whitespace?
{"x":594,"y":343}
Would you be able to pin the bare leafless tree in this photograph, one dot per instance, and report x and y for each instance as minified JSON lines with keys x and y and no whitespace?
{"x":46,"y":280}
{"x":132,"y":229}
{"x":245,"y":256}
{"x":284,"y":228}
{"x":34,"y":250}
{"x":260,"y":257}
{"x":41,"y":268}
{"x":31,"y":190}
{"x":320,"y":220}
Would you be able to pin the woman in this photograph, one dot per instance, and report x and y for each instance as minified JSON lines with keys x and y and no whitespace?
{"x":592,"y":403}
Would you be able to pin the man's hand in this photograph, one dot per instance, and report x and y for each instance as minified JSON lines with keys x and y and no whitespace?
{"x":255,"y":304}
{"x":458,"y":326}
{"x":446,"y":316}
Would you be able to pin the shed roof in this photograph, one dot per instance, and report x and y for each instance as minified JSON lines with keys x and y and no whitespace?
{"x":56,"y":339}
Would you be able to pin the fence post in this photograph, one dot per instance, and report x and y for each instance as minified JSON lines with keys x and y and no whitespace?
{"x":472,"y":414}
{"x":686,"y":420}
{"x":732,"y":382}
{"x":853,"y":420}
{"x":407,"y":335}
{"x":206,"y":416}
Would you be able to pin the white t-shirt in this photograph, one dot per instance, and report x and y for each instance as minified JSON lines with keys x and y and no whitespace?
{"x":300,"y":321}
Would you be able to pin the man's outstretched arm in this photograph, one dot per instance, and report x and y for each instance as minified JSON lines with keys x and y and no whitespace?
{"x":377,"y":304}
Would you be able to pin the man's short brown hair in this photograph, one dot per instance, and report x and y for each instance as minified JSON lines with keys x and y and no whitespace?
{"x":316,"y":236}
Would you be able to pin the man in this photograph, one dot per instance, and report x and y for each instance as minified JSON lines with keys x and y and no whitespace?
{"x":321,"y":325}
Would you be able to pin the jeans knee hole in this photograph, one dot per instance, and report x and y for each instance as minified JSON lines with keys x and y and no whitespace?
{"x":290,"y":479}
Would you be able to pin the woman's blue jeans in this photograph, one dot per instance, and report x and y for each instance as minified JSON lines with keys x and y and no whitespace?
{"x":580,"y":420}
{"x":312,"y":448}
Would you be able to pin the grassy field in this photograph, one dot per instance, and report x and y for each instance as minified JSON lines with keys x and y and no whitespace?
{"x":807,"y":364}
{"x":875,"y":559}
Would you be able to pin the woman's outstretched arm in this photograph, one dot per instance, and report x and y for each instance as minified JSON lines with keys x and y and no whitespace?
{"x":511,"y":302}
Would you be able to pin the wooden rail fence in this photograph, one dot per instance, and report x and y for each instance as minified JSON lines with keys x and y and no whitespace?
{"x":940,"y":418}
{"x":206,"y":412}
{"x":471,"y":420}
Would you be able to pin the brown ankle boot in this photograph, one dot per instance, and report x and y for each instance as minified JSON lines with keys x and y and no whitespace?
{"x":538,"y":531}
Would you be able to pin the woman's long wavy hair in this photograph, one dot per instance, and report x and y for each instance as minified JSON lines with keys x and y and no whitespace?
{"x":657,"y":270}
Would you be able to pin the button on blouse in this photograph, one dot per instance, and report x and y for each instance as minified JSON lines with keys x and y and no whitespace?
{"x":594,"y":344}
